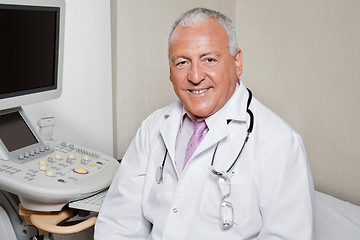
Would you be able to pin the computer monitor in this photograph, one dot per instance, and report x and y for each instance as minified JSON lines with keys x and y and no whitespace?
{"x":31,"y":51}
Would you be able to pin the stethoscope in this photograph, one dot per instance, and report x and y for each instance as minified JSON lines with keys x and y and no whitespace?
{"x":160,"y":171}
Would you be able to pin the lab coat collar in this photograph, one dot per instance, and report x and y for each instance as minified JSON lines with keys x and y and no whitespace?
{"x":236,"y":106}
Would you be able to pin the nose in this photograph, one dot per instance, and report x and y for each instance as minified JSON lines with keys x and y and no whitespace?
{"x":196,"y":74}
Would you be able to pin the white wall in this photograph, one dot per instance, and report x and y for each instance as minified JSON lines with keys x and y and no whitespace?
{"x":84,"y":110}
{"x":302,"y":59}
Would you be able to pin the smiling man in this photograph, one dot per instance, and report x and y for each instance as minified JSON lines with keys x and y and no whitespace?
{"x":217,"y":164}
{"x":202,"y":69}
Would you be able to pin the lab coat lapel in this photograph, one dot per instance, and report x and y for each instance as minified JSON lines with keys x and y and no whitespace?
{"x":216,"y":134}
{"x":170,"y":130}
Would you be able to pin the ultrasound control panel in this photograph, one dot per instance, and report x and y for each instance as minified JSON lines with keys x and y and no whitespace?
{"x":47,"y":177}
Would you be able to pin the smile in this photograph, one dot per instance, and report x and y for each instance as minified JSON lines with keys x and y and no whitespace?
{"x":199,"y":91}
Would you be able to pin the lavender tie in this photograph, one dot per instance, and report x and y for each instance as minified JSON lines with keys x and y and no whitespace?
{"x":195,"y":139}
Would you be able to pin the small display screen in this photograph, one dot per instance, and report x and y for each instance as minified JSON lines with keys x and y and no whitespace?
{"x":14,"y":132}
{"x":29,"y":49}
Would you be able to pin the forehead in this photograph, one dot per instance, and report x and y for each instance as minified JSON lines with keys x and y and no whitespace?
{"x":208,"y":35}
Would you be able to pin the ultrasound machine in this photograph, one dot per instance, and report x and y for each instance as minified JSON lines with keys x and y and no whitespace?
{"x":42,"y":183}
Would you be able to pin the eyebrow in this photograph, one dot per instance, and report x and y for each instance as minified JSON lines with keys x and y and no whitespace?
{"x":216,"y":53}
{"x":176,"y":57}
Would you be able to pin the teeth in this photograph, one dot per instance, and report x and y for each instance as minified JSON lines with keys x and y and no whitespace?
{"x":199,"y":91}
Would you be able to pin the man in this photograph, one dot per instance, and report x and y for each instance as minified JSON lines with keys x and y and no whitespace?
{"x":244,"y":175}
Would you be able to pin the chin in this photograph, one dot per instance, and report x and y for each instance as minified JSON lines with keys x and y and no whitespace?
{"x":201,"y":113}
{"x":200,"y":109}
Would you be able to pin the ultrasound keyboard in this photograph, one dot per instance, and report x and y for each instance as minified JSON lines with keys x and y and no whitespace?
{"x":67,"y":173}
{"x":92,"y":203}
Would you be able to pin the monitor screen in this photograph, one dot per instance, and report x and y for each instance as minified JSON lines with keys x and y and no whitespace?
{"x":14,"y":132}
{"x":31,"y":46}
{"x":28,"y":49}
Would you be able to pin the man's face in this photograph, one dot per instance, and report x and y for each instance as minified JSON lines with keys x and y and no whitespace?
{"x":202,"y":70}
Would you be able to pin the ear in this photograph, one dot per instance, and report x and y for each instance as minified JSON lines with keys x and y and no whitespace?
{"x":239,"y":62}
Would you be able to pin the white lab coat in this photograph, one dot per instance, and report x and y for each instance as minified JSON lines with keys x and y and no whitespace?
{"x":271,"y":187}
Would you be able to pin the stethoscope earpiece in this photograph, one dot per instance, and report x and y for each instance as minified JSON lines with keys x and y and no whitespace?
{"x":159,"y":178}
{"x":217,"y":173}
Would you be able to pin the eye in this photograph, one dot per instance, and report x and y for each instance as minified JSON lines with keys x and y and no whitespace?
{"x":210,"y":60}
{"x":180,"y":63}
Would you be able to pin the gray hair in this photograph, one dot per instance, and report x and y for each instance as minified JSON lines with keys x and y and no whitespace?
{"x":196,"y":16}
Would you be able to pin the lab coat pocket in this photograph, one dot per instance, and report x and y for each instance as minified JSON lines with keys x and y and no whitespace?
{"x":240,"y":198}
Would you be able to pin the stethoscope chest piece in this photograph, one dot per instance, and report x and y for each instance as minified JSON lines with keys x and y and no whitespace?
{"x":159,"y":177}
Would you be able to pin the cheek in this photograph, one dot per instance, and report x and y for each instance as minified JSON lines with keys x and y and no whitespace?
{"x":212,"y":73}
{"x":176,"y":84}
{"x":216,"y":76}
{"x":179,"y":82}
